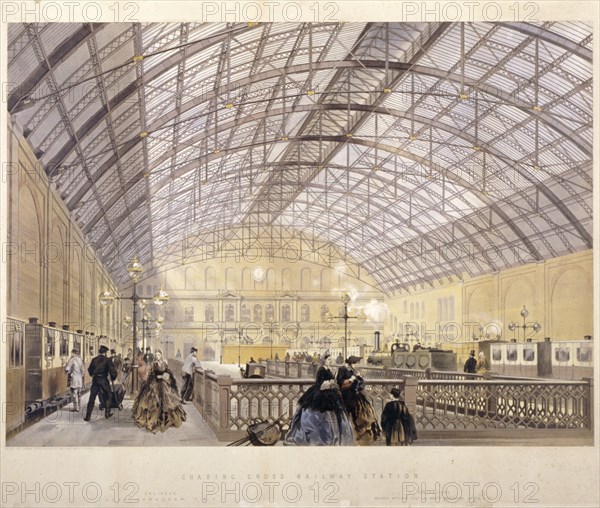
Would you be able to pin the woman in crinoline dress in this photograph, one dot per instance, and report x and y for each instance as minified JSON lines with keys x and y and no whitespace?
{"x":320,"y":419}
{"x":158,"y":405}
{"x":356,"y":402}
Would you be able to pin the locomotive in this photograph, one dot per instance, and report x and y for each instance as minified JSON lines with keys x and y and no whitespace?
{"x":420,"y":358}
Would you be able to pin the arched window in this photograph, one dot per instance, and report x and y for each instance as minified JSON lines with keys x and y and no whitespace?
{"x":324,"y":310}
{"x":230,"y":278}
{"x":245,"y":313}
{"x":247,"y":279}
{"x":286,"y":279}
{"x":285,"y":313}
{"x":451,"y":308}
{"x":258,"y":313}
{"x":229,"y":312}
{"x":271,"y":282}
{"x":269,"y":312}
{"x":209,"y":313}
{"x":305,"y":280}
{"x":210,"y":281}
{"x":305,"y":313}
{"x":190,"y":278}
{"x":188,"y":313}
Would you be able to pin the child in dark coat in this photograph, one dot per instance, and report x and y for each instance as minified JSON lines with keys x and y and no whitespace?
{"x":397,"y":423}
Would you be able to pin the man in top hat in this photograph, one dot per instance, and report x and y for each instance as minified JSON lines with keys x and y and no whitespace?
{"x":190,"y":364}
{"x":148,"y":357}
{"x":471,"y":364}
{"x":101,"y":367}
{"x":74,"y":370}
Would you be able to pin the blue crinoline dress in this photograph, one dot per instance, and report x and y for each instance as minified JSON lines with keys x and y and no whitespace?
{"x":320,"y":419}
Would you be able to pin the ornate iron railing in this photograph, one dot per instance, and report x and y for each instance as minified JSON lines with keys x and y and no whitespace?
{"x":494,"y":404}
{"x":230,"y":405}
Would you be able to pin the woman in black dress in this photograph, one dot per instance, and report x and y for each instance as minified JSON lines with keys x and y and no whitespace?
{"x":320,"y":419}
{"x":358,"y":406}
{"x":158,"y":405}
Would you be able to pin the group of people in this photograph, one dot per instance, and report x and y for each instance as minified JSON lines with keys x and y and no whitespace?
{"x":158,"y":405}
{"x":473,"y":366}
{"x":305,"y":356}
{"x":335,"y":411}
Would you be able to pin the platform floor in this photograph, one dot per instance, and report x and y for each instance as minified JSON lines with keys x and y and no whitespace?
{"x":66,"y":427}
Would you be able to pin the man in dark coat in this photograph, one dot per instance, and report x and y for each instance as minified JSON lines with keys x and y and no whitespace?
{"x":148,"y":357}
{"x":190,"y":364}
{"x":101,"y":367}
{"x":116,"y":360}
{"x":471,"y":364}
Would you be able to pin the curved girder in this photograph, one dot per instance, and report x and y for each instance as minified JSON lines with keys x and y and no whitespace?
{"x":61,"y":53}
{"x":365,"y":108}
{"x":551,"y":37}
{"x":382,"y":110}
{"x":454,"y":178}
{"x":549,"y":120}
{"x":431,"y":242}
{"x":131,"y":89}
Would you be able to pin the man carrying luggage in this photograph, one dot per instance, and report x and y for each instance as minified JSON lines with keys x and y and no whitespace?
{"x":101,"y":367}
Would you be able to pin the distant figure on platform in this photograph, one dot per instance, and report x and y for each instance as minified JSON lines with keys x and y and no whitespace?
{"x":178,"y":355}
{"x":101,"y":368}
{"x":482,"y":364}
{"x":143,"y":368}
{"x":397,"y":423}
{"x":148,"y":357}
{"x":75,"y":371}
{"x":287,"y":357}
{"x":320,"y":418}
{"x":276,"y":357}
{"x":190,"y":364}
{"x":126,"y":368}
{"x":252,"y":360}
{"x":352,"y":384}
{"x":471,"y":364}
{"x":158,"y":406}
{"x":116,"y":360}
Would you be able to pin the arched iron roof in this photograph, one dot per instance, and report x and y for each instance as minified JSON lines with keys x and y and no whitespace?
{"x":415,"y":149}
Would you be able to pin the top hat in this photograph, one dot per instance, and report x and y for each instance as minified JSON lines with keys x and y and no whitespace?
{"x":102,"y":349}
{"x":472,"y":352}
{"x":193,"y":350}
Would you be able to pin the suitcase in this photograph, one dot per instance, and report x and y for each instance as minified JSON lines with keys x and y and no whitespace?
{"x":117,"y":396}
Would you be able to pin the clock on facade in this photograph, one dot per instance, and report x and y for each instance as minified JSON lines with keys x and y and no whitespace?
{"x":258,"y":273}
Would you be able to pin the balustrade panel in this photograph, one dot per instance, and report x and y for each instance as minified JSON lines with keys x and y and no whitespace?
{"x":495,"y":405}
